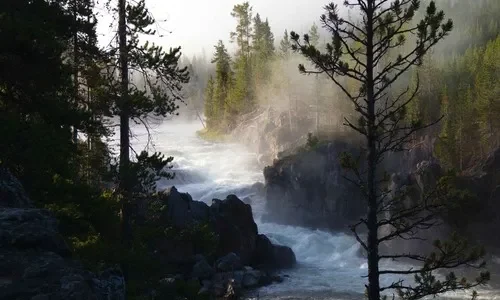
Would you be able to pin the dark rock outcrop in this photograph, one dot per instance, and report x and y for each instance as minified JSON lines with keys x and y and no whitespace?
{"x":182,"y":210}
{"x":232,"y":220}
{"x":267,"y":254}
{"x":308,"y":188}
{"x":229,"y":262}
{"x":35,"y":262}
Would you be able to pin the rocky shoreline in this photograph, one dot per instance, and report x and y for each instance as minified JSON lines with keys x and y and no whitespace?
{"x":36,"y":263}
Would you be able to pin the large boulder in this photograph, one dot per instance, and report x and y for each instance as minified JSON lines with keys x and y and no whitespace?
{"x":230,"y":262}
{"x":232,"y":220}
{"x":308,"y":188}
{"x":182,"y":211}
{"x":268,"y":255}
{"x":202,"y":270}
{"x":35,"y":262}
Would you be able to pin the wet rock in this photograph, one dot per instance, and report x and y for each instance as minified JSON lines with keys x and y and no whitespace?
{"x":308,"y":188}
{"x":202,"y":270}
{"x":230,"y":262}
{"x":284,"y":257}
{"x":251,"y":279}
{"x":31,"y":229}
{"x":273,"y":256}
{"x":182,"y":211}
{"x":232,"y":220}
{"x":35,"y":261}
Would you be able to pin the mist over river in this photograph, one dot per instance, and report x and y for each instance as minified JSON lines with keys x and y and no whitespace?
{"x":329,"y":265}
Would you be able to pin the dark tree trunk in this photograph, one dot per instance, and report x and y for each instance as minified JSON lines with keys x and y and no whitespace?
{"x":75,"y":67}
{"x":124,"y":185}
{"x":373,"y":257}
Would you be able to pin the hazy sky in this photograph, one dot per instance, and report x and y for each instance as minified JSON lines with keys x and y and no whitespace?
{"x":197,"y":24}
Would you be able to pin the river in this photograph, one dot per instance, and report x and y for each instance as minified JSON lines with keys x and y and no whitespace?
{"x":328,"y":267}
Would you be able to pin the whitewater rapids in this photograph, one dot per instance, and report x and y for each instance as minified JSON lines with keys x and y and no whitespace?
{"x":329,"y":266}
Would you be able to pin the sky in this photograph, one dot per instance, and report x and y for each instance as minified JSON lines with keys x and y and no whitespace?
{"x":199,"y":24}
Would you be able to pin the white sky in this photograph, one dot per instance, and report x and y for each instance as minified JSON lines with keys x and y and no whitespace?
{"x":198,"y":24}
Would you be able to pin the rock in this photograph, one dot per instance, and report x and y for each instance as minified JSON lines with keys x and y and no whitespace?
{"x":177,"y":207}
{"x":263,"y":254}
{"x":251,"y":279}
{"x":284,"y":257}
{"x":12,"y":193}
{"x":247,"y":268}
{"x":182,"y":211}
{"x":230,"y":262}
{"x":37,"y":271}
{"x":31,"y":229}
{"x":308,"y":188}
{"x":273,"y":256}
{"x":232,"y":220}
{"x":206,"y":287}
{"x":35,"y":261}
{"x":202,"y":270}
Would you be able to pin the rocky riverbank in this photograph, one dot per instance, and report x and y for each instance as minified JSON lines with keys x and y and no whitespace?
{"x":35,"y":262}
{"x":308,"y":188}
{"x":215,"y":249}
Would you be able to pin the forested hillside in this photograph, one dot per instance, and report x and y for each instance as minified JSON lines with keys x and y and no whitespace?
{"x":459,"y":80}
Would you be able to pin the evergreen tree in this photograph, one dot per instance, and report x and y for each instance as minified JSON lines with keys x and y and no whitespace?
{"x":357,"y":51}
{"x":263,"y":51}
{"x":314,"y":35}
{"x":285,"y":46}
{"x":242,"y":93}
{"x":222,"y":108}
{"x":211,"y":106}
{"x":163,"y":78}
{"x":243,"y":33}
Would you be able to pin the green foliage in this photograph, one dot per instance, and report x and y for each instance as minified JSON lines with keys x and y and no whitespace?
{"x":232,"y":92}
{"x":469,"y":103}
{"x":373,"y":51}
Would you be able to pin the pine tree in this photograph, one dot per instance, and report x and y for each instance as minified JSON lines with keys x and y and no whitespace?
{"x":263,"y":51}
{"x":222,"y":107}
{"x":357,"y":51}
{"x":211,"y":107}
{"x":488,"y":91}
{"x":163,"y":78}
{"x":285,"y":46}
{"x":241,"y":99}
{"x":314,"y":35}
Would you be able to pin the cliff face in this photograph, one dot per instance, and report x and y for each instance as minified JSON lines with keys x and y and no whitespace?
{"x":35,"y":262}
{"x":309,"y":188}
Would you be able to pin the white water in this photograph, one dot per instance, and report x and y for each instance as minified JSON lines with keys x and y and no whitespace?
{"x":328,"y":264}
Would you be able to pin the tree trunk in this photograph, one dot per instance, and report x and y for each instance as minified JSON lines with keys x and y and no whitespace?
{"x":75,"y":68}
{"x":373,"y":259}
{"x":124,"y":185}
